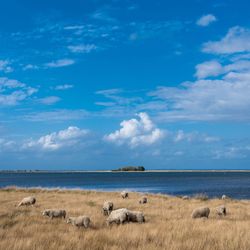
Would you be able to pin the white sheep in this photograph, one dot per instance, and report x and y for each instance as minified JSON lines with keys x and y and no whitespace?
{"x":124,"y":194}
{"x":54,"y":213}
{"x":135,"y":216}
{"x":224,"y":197}
{"x":200,"y":212}
{"x":221,"y":210}
{"x":80,"y":221}
{"x":27,"y":201}
{"x":118,"y":216}
{"x":107,"y":207}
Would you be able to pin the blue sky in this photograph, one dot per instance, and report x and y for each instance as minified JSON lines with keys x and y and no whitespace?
{"x":104,"y":84}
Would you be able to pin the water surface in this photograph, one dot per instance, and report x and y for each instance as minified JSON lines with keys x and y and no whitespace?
{"x":214,"y":184}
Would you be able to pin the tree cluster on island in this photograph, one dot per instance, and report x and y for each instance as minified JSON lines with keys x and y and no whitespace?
{"x":130,"y":168}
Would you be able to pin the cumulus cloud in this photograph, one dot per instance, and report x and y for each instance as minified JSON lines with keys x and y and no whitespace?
{"x":5,"y":66}
{"x":206,"y":20}
{"x":59,"y":63}
{"x":57,"y":140}
{"x":237,"y":40}
{"x":136,"y":132}
{"x":12,"y":91}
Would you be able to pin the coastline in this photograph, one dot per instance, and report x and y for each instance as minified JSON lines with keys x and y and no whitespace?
{"x":103,"y":191}
{"x":146,"y":171}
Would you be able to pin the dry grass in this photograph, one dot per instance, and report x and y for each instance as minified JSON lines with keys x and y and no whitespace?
{"x":168,"y":223}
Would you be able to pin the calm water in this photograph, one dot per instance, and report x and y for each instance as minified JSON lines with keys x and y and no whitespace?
{"x":236,"y":185}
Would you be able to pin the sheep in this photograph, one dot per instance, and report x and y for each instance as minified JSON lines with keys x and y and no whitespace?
{"x":57,"y":213}
{"x":135,"y":216}
{"x":185,"y":197}
{"x":107,"y":207}
{"x":80,"y":221}
{"x":27,"y":201}
{"x":221,"y":210}
{"x":124,"y":194}
{"x":118,"y":216}
{"x":200,"y":212}
{"x":123,"y":215}
{"x":143,"y":200}
{"x":224,"y":197}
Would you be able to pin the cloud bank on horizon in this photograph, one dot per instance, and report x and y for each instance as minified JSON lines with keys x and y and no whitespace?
{"x":100,"y":84}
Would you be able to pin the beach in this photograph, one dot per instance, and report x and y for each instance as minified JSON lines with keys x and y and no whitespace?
{"x":168,"y":223}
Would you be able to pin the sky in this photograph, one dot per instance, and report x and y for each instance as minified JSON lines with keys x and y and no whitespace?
{"x":100,"y":84}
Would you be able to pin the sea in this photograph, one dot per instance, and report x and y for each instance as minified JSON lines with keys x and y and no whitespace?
{"x":213,"y":184}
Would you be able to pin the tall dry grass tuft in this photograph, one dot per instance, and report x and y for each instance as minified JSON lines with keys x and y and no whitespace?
{"x":168,"y":223}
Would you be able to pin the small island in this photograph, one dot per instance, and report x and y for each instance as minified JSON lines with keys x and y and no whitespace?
{"x":130,"y":168}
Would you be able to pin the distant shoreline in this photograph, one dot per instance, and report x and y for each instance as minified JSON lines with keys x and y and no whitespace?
{"x":146,"y":171}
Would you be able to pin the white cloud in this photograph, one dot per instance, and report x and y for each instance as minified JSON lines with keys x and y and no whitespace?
{"x":102,"y":15}
{"x":49,"y":100}
{"x":237,"y":40}
{"x":136,"y":132}
{"x":194,"y":136}
{"x":30,"y":66}
{"x":214,"y":68}
{"x":60,"y":63}
{"x":226,"y":96}
{"x":208,"y":68}
{"x":82,"y":48}
{"x":233,"y":152}
{"x":56,"y":115}
{"x":74,"y":27}
{"x":57,"y":140}
{"x":64,"y":87}
{"x":5,"y":66}
{"x":6,"y":145}
{"x":206,"y":20}
{"x":220,"y":99}
{"x":12,"y":91}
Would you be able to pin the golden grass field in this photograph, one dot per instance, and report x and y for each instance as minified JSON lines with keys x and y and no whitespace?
{"x":168,"y":223}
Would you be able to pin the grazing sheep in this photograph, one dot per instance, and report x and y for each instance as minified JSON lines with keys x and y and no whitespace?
{"x":27,"y":201}
{"x":221,"y":210}
{"x":124,"y":194}
{"x":118,"y":216}
{"x":57,"y":213}
{"x":107,"y":207}
{"x":224,"y":197}
{"x":135,"y":216}
{"x":80,"y":221}
{"x":143,"y":200}
{"x":200,"y":212}
{"x":185,"y":197}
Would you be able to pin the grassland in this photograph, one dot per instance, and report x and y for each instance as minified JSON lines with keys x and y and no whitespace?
{"x":168,"y":223}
